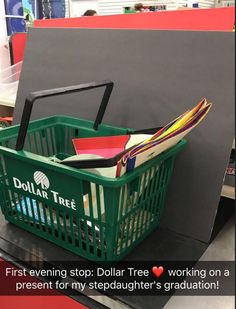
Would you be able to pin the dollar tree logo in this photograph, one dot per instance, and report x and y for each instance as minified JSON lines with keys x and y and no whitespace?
{"x":41,"y":179}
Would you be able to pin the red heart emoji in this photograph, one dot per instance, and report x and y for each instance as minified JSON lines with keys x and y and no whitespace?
{"x":158,"y":271}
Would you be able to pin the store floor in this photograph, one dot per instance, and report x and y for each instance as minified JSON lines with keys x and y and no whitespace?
{"x":221,"y":249}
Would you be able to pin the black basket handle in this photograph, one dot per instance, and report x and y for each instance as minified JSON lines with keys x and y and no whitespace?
{"x":32,"y":97}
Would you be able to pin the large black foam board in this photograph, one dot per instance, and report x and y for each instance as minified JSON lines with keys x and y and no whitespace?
{"x":157,"y":75}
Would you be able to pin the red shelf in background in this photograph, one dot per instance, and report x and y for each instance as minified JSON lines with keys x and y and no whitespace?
{"x":17,"y":46}
{"x":217,"y":19}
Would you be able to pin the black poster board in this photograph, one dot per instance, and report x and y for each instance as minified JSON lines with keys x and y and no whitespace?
{"x":157,"y":76}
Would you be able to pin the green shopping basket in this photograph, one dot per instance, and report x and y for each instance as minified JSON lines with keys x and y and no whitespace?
{"x":99,"y":218}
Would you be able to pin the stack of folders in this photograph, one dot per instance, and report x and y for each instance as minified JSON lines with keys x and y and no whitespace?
{"x":132,"y":150}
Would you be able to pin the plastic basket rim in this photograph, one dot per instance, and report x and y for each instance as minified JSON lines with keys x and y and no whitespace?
{"x":43,"y":161}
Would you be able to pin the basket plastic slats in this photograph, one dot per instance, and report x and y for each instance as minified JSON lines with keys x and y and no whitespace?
{"x":67,"y":140}
{"x":22,"y":200}
{"x":50,"y":141}
{"x":8,"y":201}
{"x":166,"y":178}
{"x":127,"y":213}
{"x":146,"y":211}
{"x":79,"y":239}
{"x":158,"y":190}
{"x":134,"y":200}
{"x":100,"y":218}
{"x":53,"y":139}
{"x":69,"y":135}
{"x":11,"y":203}
{"x":44,"y":143}
{"x":32,"y":219}
{"x":141,"y":219}
{"x":51,"y":211}
{"x":40,"y":143}
{"x":40,"y":219}
{"x":149,"y":196}
{"x":64,"y":224}
{"x":121,"y":218}
{"x":153,"y":192}
{"x":128,"y":208}
{"x":17,"y":201}
{"x":72,"y":232}
{"x":92,"y":241}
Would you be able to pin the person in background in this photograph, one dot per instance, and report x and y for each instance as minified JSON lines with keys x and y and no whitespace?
{"x":90,"y":13}
{"x":139,"y":7}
